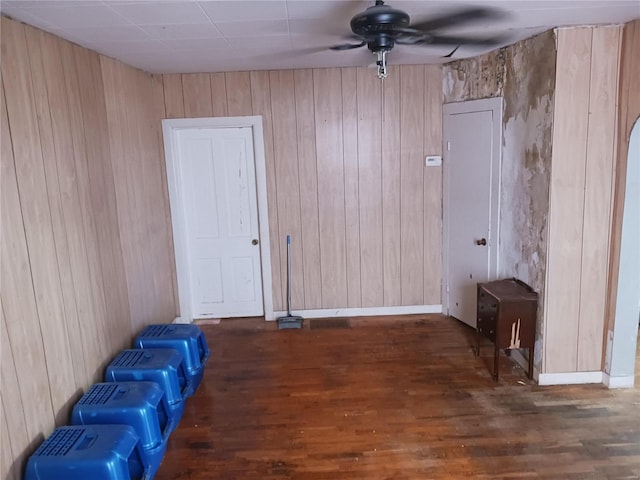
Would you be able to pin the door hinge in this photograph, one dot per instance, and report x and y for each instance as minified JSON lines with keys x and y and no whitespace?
{"x":448,"y":146}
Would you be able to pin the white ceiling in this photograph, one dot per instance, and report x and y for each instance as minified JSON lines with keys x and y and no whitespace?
{"x":208,"y":36}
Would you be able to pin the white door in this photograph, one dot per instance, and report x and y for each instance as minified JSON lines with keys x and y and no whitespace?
{"x":471,"y":170}
{"x":218,"y":186}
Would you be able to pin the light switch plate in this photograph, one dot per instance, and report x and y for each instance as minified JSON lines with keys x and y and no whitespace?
{"x":433,"y":161}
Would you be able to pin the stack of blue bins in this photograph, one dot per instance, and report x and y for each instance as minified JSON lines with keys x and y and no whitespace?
{"x":121,"y":428}
{"x":106,"y":452}
{"x":141,"y":405}
{"x":185,"y":338}
{"x":163,"y":366}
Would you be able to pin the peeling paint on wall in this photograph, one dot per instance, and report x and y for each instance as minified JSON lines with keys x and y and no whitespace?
{"x":524,"y":74}
{"x":474,"y":78}
{"x":530,"y":71}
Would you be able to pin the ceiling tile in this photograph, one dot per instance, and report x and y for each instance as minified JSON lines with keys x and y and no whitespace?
{"x":181,"y":31}
{"x":162,"y":13}
{"x":227,"y":35}
{"x":95,"y":15}
{"x":245,"y":10}
{"x":329,"y":10}
{"x":113,"y":49}
{"x":50,"y":3}
{"x":268,"y":41}
{"x":253,"y":28}
{"x":108,"y":34}
{"x":200,"y":45}
{"x":306,"y":26}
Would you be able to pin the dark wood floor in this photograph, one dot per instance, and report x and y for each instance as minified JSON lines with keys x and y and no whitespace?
{"x":390,"y":398}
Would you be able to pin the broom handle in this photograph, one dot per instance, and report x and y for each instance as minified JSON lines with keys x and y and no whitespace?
{"x":289,"y":275}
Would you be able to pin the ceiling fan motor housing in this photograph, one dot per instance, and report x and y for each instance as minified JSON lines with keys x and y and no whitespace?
{"x":378,"y":25}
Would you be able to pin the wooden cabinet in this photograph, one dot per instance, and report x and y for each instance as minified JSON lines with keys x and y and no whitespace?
{"x":506,"y":314}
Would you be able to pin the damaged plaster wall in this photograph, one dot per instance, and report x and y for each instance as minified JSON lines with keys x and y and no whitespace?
{"x":524,"y":75}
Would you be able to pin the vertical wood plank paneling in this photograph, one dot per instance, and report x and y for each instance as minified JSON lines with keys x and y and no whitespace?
{"x":67,"y":181}
{"x":597,"y":194}
{"x":160,"y":258}
{"x":173,"y":99}
{"x":238,"y":93}
{"x":327,"y":87}
{"x":64,"y":292}
{"x":361,"y":141}
{"x":218,"y":95}
{"x":7,"y":467}
{"x":11,"y":402}
{"x":159,"y":114}
{"x":433,"y":186}
{"x":42,"y":106}
{"x":370,"y":186}
{"x":18,"y":296}
{"x":307,"y":170}
{"x":196,"y":92}
{"x":121,"y":135}
{"x":261,"y":104}
{"x":36,"y":216}
{"x":133,"y":121}
{"x":562,"y":309}
{"x":411,"y":181}
{"x":69,"y":187}
{"x":391,"y":191}
{"x":94,"y":344}
{"x":116,"y":333}
{"x":351,"y":185}
{"x":287,"y":180}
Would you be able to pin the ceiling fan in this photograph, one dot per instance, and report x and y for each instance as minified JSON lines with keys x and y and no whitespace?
{"x":380,"y":27}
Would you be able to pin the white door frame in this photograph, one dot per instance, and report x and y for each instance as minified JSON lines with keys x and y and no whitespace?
{"x":470,"y":106}
{"x":170,"y":127}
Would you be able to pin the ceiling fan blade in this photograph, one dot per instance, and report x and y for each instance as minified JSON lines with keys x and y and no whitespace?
{"x":348,"y":46}
{"x":456,"y":18}
{"x":450,"y":54}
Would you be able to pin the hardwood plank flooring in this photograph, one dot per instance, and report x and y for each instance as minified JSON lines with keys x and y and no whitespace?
{"x":390,"y":398}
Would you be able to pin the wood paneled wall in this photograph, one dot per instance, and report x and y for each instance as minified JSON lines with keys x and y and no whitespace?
{"x":628,"y":114}
{"x":85,"y":253}
{"x":345,"y":177}
{"x":584,"y":146}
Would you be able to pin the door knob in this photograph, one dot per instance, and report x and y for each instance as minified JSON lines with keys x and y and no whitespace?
{"x":254,"y":241}
{"x":482,"y":241}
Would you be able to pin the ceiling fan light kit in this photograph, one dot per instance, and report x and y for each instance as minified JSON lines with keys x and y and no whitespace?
{"x":380,"y":27}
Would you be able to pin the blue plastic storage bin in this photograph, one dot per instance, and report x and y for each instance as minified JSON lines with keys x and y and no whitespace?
{"x":188,"y":339}
{"x":139,"y":404}
{"x":163,"y":366}
{"x":105,"y":452}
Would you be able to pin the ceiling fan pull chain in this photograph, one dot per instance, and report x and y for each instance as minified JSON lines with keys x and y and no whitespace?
{"x":382,"y":101}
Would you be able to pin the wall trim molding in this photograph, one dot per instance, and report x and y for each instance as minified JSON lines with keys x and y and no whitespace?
{"x":364,"y":312}
{"x":569,"y":378}
{"x":625,"y":381}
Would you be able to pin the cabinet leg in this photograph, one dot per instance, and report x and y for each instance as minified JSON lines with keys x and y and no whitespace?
{"x":496,"y":356}
{"x":477,"y":342}
{"x":530,"y":375}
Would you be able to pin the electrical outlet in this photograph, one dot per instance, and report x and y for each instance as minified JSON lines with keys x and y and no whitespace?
{"x":433,"y":161}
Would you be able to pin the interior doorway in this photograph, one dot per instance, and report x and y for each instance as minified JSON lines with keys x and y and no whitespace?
{"x":217,"y":191}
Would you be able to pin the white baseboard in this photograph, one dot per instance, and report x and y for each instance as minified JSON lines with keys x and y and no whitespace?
{"x":626,"y":381}
{"x":364,"y":312}
{"x":570,"y":378}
